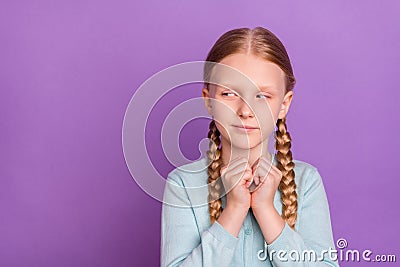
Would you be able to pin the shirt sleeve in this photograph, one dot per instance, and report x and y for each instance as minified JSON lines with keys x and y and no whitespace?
{"x":312,"y":244}
{"x":181,"y":242}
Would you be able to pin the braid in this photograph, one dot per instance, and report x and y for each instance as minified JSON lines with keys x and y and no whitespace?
{"x":287,"y":186}
{"x":214,"y":167}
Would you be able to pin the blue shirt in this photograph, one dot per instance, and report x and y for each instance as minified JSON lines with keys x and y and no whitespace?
{"x":189,"y":239}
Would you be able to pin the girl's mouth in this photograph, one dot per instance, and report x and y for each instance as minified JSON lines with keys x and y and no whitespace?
{"x":245,"y":128}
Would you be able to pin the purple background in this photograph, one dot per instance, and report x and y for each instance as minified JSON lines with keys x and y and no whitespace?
{"x":68,"y":71}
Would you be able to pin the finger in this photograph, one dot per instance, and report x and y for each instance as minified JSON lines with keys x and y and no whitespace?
{"x":265,"y":162}
{"x":255,"y":164}
{"x":249,"y":181}
{"x":242,"y":178}
{"x":262,"y":173}
{"x":247,"y":184}
{"x":276,"y":173}
{"x":239,"y":174}
{"x":243,"y":174}
{"x":276,"y":170}
{"x":265,"y":173}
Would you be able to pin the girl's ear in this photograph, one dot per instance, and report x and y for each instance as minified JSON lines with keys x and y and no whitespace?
{"x":207,"y":100}
{"x":287,"y":100}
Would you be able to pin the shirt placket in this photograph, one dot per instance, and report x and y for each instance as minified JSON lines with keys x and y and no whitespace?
{"x":248,"y":240}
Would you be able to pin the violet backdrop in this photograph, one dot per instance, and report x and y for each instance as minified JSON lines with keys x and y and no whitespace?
{"x":69,"y":68}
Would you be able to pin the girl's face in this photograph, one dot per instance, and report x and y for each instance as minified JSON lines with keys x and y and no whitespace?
{"x":253,"y":96}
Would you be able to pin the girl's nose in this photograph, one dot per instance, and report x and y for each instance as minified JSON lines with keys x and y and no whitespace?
{"x":244,"y":110}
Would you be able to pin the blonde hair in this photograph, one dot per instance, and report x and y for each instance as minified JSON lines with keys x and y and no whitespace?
{"x":263,"y":43}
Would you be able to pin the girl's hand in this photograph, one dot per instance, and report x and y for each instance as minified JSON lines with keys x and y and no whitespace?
{"x":267,"y":178}
{"x":236,"y":178}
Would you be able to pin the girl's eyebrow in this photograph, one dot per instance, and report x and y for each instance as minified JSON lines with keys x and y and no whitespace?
{"x":261,"y":87}
{"x":267,"y":87}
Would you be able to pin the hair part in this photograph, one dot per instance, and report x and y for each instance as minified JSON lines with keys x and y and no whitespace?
{"x":262,"y":43}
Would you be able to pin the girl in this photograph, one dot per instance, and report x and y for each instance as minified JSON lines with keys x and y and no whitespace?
{"x":262,"y":209}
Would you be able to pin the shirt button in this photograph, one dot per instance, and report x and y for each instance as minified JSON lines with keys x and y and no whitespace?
{"x":248,"y":231}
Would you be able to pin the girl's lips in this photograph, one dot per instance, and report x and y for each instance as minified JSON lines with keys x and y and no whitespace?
{"x":245,"y":129}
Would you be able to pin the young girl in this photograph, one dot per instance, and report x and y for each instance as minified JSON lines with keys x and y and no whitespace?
{"x":262,"y":209}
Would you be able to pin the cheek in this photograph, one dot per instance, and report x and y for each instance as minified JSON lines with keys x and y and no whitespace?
{"x":274,"y":108}
{"x":223,"y":111}
{"x":265,"y":114}
{"x":266,"y":117}
{"x":221,"y":128}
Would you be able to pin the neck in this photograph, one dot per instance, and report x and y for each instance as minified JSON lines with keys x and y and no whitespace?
{"x":230,"y":152}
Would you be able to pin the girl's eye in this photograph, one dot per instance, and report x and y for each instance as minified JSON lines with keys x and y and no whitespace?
{"x":228,"y":93}
{"x":264,"y":96}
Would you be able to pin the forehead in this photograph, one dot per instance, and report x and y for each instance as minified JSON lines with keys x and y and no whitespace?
{"x":246,"y":70}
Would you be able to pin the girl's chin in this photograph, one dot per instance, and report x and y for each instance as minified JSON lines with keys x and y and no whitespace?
{"x":243,"y":145}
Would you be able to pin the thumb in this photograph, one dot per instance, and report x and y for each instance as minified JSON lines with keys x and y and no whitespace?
{"x":254,"y":166}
